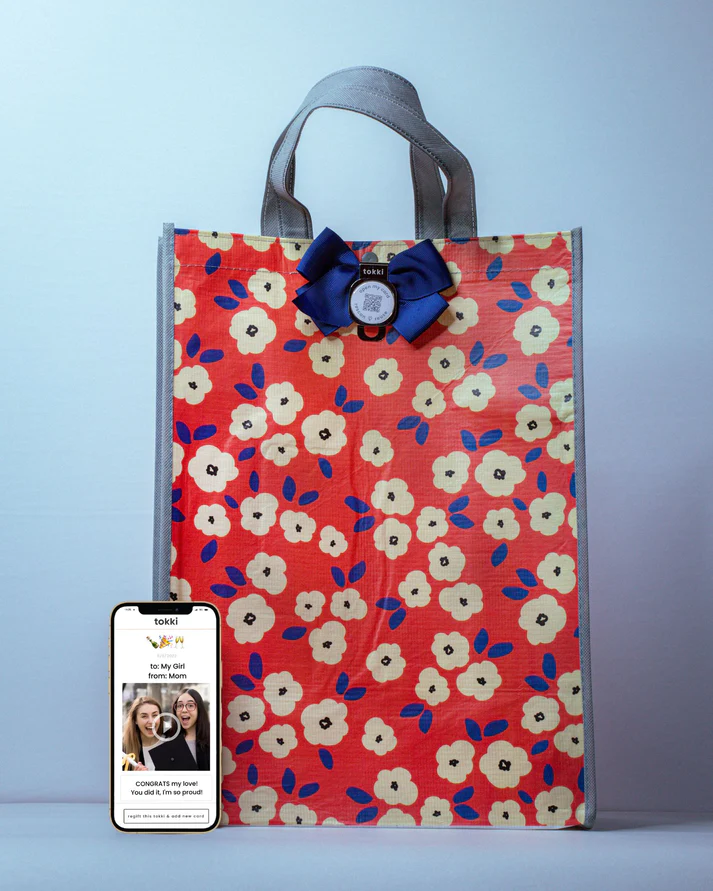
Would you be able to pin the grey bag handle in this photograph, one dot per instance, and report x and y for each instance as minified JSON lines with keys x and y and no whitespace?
{"x":373,"y":92}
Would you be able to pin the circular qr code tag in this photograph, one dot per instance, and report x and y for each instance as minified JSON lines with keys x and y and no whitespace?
{"x":372,"y":302}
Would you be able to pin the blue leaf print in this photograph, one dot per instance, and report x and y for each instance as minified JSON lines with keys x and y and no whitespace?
{"x":490,"y":437}
{"x":341,"y":395}
{"x":364,"y":524}
{"x":244,"y":746}
{"x":338,"y":576}
{"x":227,"y":302}
{"x":391,"y":335}
{"x":246,"y":453}
{"x":209,"y":551}
{"x":212,"y":264}
{"x":539,"y":747}
{"x":184,"y":434}
{"x":422,"y":433}
{"x":529,"y":392}
{"x":181,"y":231}
{"x":425,"y":721}
{"x":255,"y":665}
{"x":499,"y":649}
{"x":288,"y":781}
{"x":495,"y":268}
{"x":254,"y":481}
{"x":176,"y":495}
{"x":459,"y":240}
{"x":580,"y":780}
{"x":246,"y":391}
{"x":294,"y":346}
{"x":325,"y":467}
{"x":228,"y":796}
{"x":410,"y":711}
{"x":476,"y":354}
{"x":230,"y":501}
{"x":359,"y":795}
{"x":360,"y":507}
{"x":342,"y":683}
{"x":388,"y":603}
{"x":242,"y":681}
{"x":521,"y":290}
{"x":395,"y":619}
{"x":532,"y":455}
{"x":257,"y":375}
{"x":526,"y":577}
{"x":519,"y":504}
{"x":463,"y":810}
{"x":353,"y":405}
{"x":176,"y":515}
{"x":237,"y":289}
{"x":325,"y":756}
{"x":409,"y":422}
{"x":294,"y":633}
{"x":576,"y":631}
{"x":354,"y":693}
{"x":537,"y":683}
{"x":307,"y":790}
{"x":357,"y":571}
{"x":468,"y":440}
{"x":549,"y":666}
{"x":525,"y":797}
{"x":205,"y":431}
{"x":542,"y":375}
{"x":515,"y":593}
{"x":367,"y":814}
{"x":572,"y":487}
{"x":289,"y":488}
{"x":193,"y":345}
{"x":308,"y":497}
{"x":499,"y":554}
{"x":495,"y":361}
{"x":461,"y":521}
{"x":548,"y":774}
{"x":223,"y":590}
{"x":208,"y":356}
{"x":510,"y":305}
{"x":472,"y":728}
{"x":463,"y":795}
{"x":481,"y":641}
{"x":492,"y":728}
{"x":252,"y":775}
{"x":542,"y":481}
{"x":459,"y":504}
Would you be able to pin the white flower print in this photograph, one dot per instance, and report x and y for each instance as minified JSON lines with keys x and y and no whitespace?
{"x":184,"y":305}
{"x":562,"y":399}
{"x":279,"y":740}
{"x":309,"y":605}
{"x":386,"y":663}
{"x":431,"y":524}
{"x":542,"y":240}
{"x":253,"y":329}
{"x":580,"y":813}
{"x":211,"y":469}
{"x":533,"y":422}
{"x":268,"y":287}
{"x":569,"y":691}
{"x":227,"y":765}
{"x":177,"y":354}
{"x":304,"y":324}
{"x":501,"y":524}
{"x":192,"y":383}
{"x":297,"y":815}
{"x":540,"y":714}
{"x":455,"y":762}
{"x":387,"y":250}
{"x":297,"y":525}
{"x":260,"y":243}
{"x":475,"y":391}
{"x":327,"y":356}
{"x":392,"y":537}
{"x":460,"y":315}
{"x":447,"y":363}
{"x":294,"y":250}
{"x":178,"y":456}
{"x":376,"y":449}
{"x":572,"y":520}
{"x":552,"y":284}
{"x":251,"y":618}
{"x":249,"y":421}
{"x":396,"y":817}
{"x":455,"y":278}
{"x":432,"y":687}
{"x":324,"y":433}
{"x":395,"y":786}
{"x":347,"y":604}
{"x":556,"y":571}
{"x":450,"y":472}
{"x":554,"y":807}
{"x":259,"y":514}
{"x":392,"y":497}
{"x":480,"y":680}
{"x":383,"y":377}
{"x":415,"y":589}
{"x":267,"y":572}
{"x":536,"y":330}
{"x":428,"y":401}
{"x":378,"y":737}
{"x":280,"y":448}
{"x":328,"y":643}
{"x":324,"y":723}
{"x":497,"y":244}
{"x":257,"y":806}
{"x":174,"y":554}
{"x":498,"y":473}
{"x":542,"y":619}
{"x":504,"y":764}
{"x":506,"y":813}
{"x":561,"y":447}
{"x":436,"y":812}
{"x":180,"y":590}
{"x":282,"y":692}
{"x":212,"y":519}
{"x":461,"y":601}
{"x":283,"y":402}
{"x":451,"y":650}
{"x":567,"y":237}
{"x":332,"y":821}
{"x":176,"y":266}
{"x":547,"y":513}
{"x":332,"y":541}
{"x":446,"y":563}
{"x":216,"y":241}
{"x":571,"y":740}
{"x":246,"y":713}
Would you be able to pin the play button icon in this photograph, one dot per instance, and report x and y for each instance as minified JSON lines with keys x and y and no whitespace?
{"x":166,"y":727}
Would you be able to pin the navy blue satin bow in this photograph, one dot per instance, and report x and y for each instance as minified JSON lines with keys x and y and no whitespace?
{"x":330,"y":267}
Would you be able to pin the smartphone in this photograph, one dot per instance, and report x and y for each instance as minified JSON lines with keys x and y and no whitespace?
{"x":164,"y":689}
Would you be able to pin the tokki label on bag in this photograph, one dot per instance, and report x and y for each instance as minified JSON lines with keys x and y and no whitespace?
{"x":372,"y":298}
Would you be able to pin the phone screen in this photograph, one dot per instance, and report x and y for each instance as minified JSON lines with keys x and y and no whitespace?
{"x":165,"y":717}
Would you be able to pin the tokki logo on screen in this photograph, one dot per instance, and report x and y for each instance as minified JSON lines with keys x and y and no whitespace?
{"x":166,"y":642}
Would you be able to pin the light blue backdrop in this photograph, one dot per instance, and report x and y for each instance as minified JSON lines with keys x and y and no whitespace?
{"x":119,"y":116}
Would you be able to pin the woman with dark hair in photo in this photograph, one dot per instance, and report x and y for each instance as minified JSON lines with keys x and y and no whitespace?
{"x":190,"y":750}
{"x":139,"y":738}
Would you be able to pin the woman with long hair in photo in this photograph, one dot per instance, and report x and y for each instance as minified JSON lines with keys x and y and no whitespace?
{"x":138,"y":736}
{"x":190,"y":750}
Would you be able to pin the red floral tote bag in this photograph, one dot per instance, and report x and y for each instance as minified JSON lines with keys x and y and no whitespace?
{"x":370,"y":458}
